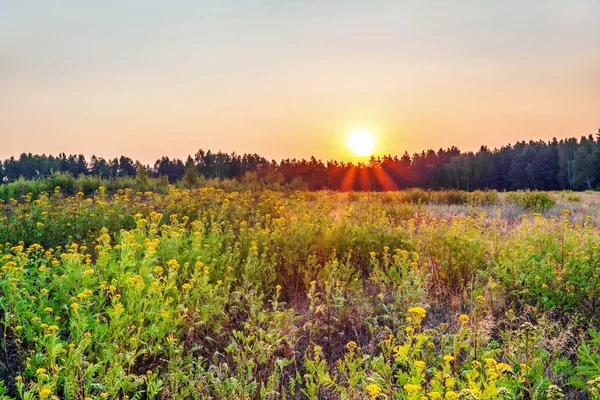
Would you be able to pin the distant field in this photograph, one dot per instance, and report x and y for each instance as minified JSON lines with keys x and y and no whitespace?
{"x":240,"y":292}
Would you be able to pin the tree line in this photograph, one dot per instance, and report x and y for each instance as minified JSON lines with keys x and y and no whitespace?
{"x":569,"y":164}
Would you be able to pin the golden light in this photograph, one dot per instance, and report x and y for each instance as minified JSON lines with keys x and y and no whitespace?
{"x":361,"y":143}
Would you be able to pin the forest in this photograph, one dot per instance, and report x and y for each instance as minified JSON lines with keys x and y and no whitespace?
{"x":567,"y":164}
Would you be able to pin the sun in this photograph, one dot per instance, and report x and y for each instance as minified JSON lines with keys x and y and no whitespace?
{"x":361,"y":143}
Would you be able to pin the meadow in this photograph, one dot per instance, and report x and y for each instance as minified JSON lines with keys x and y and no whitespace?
{"x":241,"y":292}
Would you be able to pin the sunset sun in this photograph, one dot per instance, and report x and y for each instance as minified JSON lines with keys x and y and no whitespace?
{"x":361,"y":143}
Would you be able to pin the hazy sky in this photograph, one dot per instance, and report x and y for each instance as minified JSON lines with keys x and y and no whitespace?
{"x":290,"y":78}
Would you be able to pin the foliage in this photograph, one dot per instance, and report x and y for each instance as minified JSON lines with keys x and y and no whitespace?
{"x":260,"y":294}
{"x":538,"y":202}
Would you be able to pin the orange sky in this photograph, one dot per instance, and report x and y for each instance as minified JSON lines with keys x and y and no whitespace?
{"x":292,"y":79}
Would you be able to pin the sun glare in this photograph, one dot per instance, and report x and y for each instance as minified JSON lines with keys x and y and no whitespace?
{"x":361,"y":143}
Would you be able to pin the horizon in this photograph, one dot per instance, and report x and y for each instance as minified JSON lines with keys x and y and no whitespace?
{"x":358,"y":160}
{"x":292,"y":80}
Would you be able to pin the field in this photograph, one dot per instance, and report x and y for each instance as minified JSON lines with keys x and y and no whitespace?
{"x":259,"y":294}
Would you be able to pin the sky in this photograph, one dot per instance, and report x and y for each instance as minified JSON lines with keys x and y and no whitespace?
{"x":293,"y":78}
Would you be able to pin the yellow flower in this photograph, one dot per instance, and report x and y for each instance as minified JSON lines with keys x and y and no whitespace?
{"x":40,"y":371}
{"x":42,"y":268}
{"x":464,"y":318}
{"x":451,"y":395}
{"x":18,"y":378}
{"x":501,"y":367}
{"x":373,"y":389}
{"x":410,"y":388}
{"x":420,"y":364}
{"x":186,"y":286}
{"x":278,"y":288}
{"x":53,"y":328}
{"x":435,"y":395}
{"x":48,"y":309}
{"x":75,"y":306}
{"x":448,"y":358}
{"x":417,"y":312}
{"x":45,"y":392}
{"x":173,"y":265}
{"x":219,"y":282}
{"x":351,"y":346}
{"x":480,"y":299}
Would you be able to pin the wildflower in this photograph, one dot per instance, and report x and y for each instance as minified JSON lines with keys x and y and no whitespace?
{"x":467,"y":394}
{"x":448,"y":358}
{"x":418,"y":312}
{"x":186,"y":286}
{"x":420,"y":364}
{"x":278,"y":288}
{"x":219,"y":282}
{"x":504,"y":393}
{"x":451,"y":395}
{"x":480,"y":299}
{"x":18,"y":328}
{"x":435,"y":395}
{"x":42,"y":268}
{"x":45,"y":392}
{"x":464,"y":318}
{"x":490,"y":362}
{"x":88,"y":272}
{"x":351,"y":346}
{"x":87,"y":335}
{"x":53,"y":328}
{"x":173,"y":265}
{"x":75,"y":306}
{"x":373,"y":389}
{"x":554,"y":393}
{"x":410,"y":388}
{"x":18,"y":378}
{"x":502,"y":367}
{"x":40,"y":371}
{"x":48,"y":309}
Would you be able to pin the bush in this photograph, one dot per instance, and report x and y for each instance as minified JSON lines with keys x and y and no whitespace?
{"x":484,"y":198}
{"x":450,"y":197}
{"x":414,"y":196}
{"x":532,"y":201}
